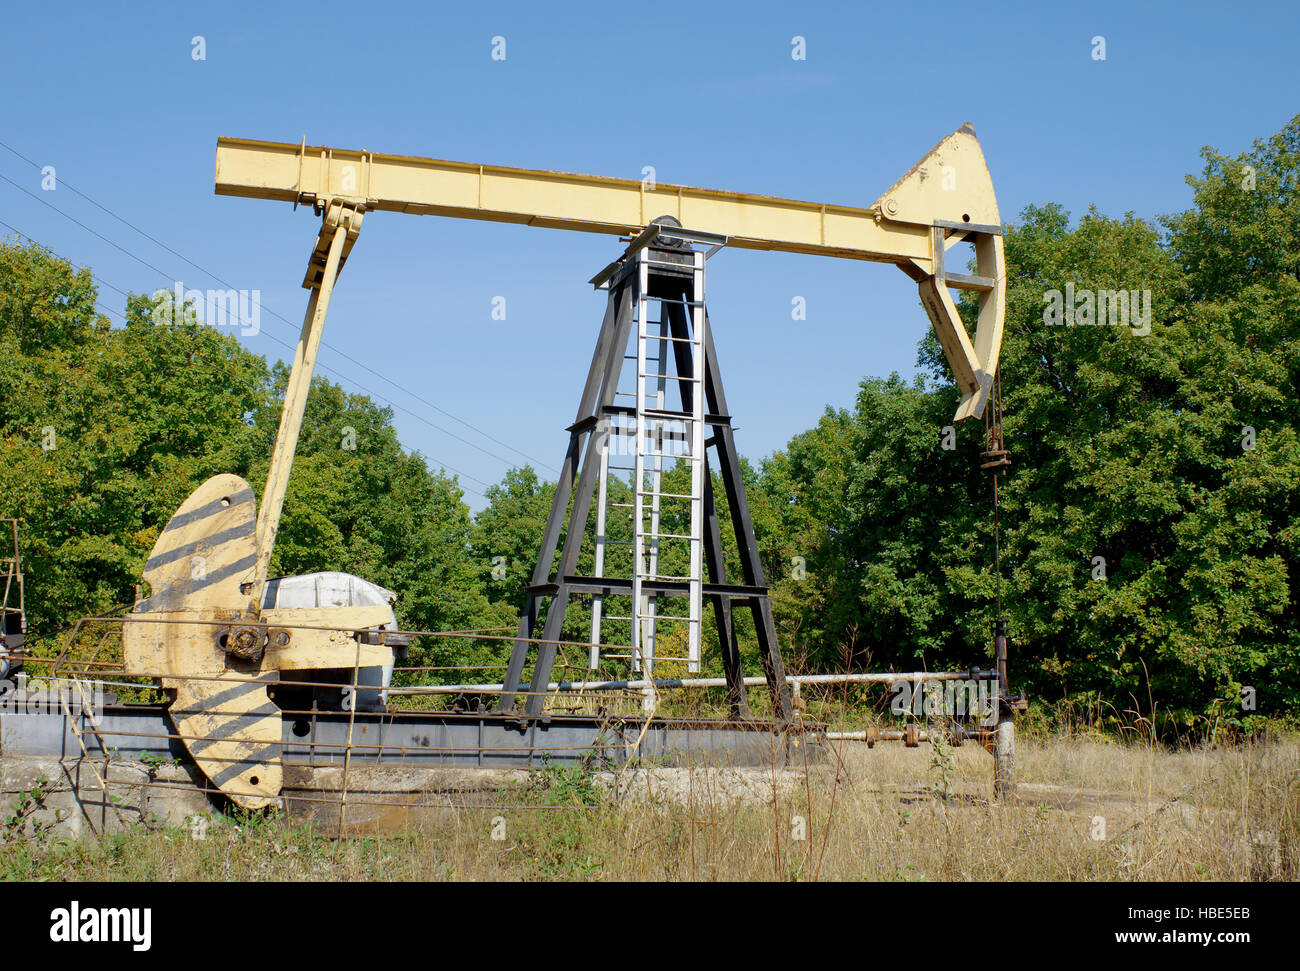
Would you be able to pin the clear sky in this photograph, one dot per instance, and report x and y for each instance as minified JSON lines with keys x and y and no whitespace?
{"x":707,"y":93}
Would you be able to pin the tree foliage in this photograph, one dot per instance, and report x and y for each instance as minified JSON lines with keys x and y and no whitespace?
{"x":106,"y":430}
{"x":1149,"y":522}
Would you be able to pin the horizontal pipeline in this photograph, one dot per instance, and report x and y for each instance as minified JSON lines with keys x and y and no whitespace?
{"x":974,"y":674}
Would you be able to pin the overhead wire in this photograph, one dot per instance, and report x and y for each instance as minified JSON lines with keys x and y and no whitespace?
{"x":276,"y":340}
{"x":108,"y":310}
{"x":486,"y":435}
{"x":281,"y":317}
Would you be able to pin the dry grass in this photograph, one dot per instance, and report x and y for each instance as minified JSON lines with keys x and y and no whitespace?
{"x":1223,"y":813}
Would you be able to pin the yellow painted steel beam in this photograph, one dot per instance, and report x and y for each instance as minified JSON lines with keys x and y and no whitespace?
{"x":944,"y":198}
{"x":894,"y":230}
{"x":339,"y":229}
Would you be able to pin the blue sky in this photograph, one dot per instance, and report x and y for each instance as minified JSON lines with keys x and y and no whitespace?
{"x":706,"y":93}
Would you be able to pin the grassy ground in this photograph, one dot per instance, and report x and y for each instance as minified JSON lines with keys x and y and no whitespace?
{"x":1088,"y":809}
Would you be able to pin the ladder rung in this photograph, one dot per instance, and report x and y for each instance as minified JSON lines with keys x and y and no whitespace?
{"x":673,"y":264}
{"x":683,"y":302}
{"x":666,"y":377}
{"x":673,"y":439}
{"x":654,"y":536}
{"x":664,"y":427}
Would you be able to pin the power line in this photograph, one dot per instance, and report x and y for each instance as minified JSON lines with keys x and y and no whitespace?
{"x":122,"y":316}
{"x":284,"y":344}
{"x":286,"y":320}
{"x":92,"y":232}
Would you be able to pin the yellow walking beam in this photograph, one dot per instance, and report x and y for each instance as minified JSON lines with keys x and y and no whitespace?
{"x":945,"y":198}
{"x":894,"y":230}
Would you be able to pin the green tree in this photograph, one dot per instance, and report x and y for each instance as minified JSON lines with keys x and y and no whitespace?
{"x":508,"y":532}
{"x":105,"y":430}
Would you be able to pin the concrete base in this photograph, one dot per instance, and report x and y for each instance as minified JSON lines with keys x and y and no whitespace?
{"x":75,"y":803}
{"x":380,"y":799}
{"x":405,"y":767}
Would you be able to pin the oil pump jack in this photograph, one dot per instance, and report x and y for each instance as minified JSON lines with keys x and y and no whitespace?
{"x":220,"y":635}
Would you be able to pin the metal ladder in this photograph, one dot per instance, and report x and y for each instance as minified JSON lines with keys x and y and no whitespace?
{"x":658,"y":436}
